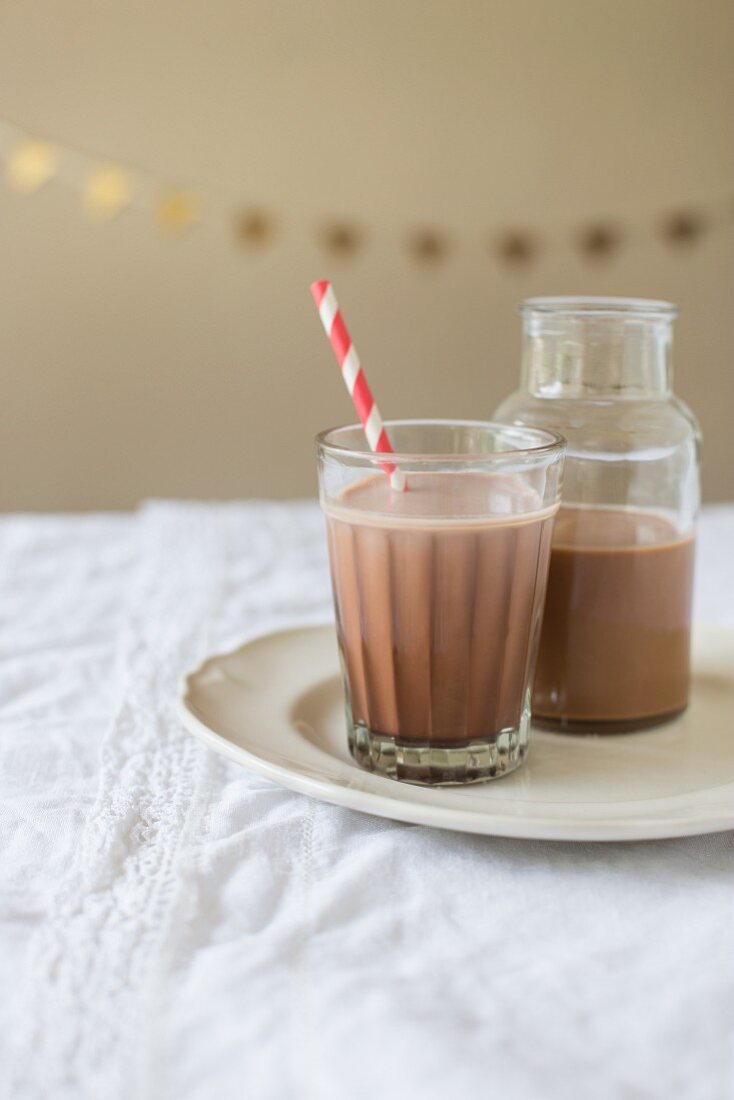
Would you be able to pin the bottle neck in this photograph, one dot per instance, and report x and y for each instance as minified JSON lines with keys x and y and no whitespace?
{"x":586,"y":355}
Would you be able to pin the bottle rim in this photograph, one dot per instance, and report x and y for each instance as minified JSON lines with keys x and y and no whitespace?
{"x":591,"y":306}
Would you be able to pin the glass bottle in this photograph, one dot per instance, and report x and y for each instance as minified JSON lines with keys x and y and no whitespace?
{"x":615,"y":646}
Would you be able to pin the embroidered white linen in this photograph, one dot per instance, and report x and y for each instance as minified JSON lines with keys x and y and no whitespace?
{"x":173,"y":927}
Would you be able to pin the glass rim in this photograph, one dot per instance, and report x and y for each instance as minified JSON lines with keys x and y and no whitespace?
{"x":553,"y":443}
{"x":599,"y":306}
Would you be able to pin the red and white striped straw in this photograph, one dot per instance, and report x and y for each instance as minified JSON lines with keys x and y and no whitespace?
{"x":354,"y":377}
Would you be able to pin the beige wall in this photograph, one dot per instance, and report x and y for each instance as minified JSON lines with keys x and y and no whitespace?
{"x":134,"y":366}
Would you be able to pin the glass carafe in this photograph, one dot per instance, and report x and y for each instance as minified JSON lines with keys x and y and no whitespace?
{"x":615,"y":646}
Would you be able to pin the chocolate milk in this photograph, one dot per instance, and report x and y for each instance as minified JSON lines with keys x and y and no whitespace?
{"x":614,"y":650}
{"x":438,"y":617}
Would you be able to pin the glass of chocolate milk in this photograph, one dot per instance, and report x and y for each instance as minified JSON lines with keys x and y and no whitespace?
{"x":438,"y":590}
{"x":614,"y":650}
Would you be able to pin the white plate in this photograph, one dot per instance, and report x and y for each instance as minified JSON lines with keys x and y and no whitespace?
{"x":275,"y":706}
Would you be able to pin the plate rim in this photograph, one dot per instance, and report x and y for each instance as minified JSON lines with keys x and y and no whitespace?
{"x":398,"y":806}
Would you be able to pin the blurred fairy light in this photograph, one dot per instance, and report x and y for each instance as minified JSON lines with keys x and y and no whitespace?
{"x":600,"y":240}
{"x":517,"y":247}
{"x":254,"y":228}
{"x":29,"y":164}
{"x":427,"y":245}
{"x":107,"y":190}
{"x":176,"y":211}
{"x":684,"y":226}
{"x":341,"y":238}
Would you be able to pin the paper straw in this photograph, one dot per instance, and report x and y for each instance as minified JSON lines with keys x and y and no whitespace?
{"x":354,"y":377}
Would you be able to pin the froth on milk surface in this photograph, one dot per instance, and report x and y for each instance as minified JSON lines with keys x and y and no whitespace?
{"x":458,"y":497}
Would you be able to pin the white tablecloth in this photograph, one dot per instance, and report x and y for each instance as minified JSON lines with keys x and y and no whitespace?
{"x":173,"y":927}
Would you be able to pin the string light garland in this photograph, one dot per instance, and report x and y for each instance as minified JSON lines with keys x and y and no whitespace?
{"x":107,"y":190}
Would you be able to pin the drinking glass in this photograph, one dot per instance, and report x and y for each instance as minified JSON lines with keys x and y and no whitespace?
{"x":438,"y":590}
